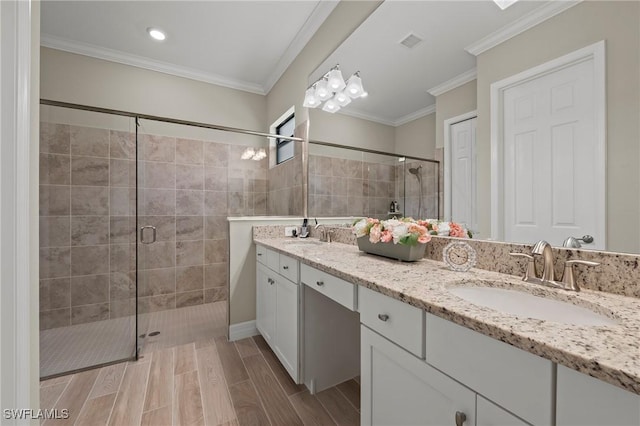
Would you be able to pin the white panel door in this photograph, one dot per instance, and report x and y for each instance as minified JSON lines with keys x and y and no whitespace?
{"x":463,"y":173}
{"x":400,"y":389}
{"x":550,"y":155}
{"x":265,"y":303}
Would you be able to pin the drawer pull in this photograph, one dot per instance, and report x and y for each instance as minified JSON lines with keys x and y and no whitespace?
{"x":270,"y":281}
{"x":319,"y":283}
{"x":285,"y":267}
{"x":259,"y":254}
{"x":383,"y":317}
{"x":460,"y":418}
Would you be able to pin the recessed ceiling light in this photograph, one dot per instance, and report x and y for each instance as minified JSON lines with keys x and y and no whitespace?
{"x":156,"y":34}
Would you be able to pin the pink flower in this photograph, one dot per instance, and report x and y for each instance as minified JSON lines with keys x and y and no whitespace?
{"x":424,"y":238}
{"x":455,"y":230}
{"x":386,"y":236}
{"x":375,"y":233}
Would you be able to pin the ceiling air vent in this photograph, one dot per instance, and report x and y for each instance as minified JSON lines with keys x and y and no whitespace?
{"x":410,"y":41}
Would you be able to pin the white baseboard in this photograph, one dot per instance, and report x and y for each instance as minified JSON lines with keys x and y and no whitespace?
{"x":242,"y":330}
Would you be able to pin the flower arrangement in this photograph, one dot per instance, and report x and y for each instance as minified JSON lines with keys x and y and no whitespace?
{"x":406,"y":230}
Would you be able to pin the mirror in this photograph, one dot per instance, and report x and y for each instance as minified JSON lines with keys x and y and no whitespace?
{"x":415,"y":95}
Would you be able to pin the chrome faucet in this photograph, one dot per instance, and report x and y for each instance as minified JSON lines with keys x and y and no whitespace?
{"x":325,"y":234}
{"x":548,"y":274}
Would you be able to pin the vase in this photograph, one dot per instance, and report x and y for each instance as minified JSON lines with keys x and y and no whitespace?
{"x":394,"y":251}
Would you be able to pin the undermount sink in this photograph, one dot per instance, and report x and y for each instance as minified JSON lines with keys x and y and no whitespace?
{"x":303,"y":243}
{"x":526,"y":305}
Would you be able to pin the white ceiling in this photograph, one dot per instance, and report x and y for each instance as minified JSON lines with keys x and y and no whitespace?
{"x":398,"y":78}
{"x":246,"y":45}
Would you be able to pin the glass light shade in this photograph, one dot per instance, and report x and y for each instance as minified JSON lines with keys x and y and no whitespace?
{"x":331,"y":106}
{"x":322,"y":90}
{"x":336,"y":81}
{"x":259,"y":155}
{"x":354,"y":87}
{"x":310,"y":99}
{"x":342,"y":99}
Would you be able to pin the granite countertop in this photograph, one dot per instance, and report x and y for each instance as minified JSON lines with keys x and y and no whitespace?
{"x":609,"y":353}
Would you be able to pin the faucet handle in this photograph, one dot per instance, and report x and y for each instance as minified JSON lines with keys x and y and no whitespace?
{"x":568,"y":277}
{"x":530,"y":272}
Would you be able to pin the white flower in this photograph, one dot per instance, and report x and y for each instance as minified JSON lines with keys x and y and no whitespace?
{"x":360,"y":228}
{"x":399,"y":231}
{"x":444,"y":229}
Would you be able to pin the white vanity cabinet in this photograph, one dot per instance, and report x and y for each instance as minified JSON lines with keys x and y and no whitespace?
{"x":585,"y":401}
{"x":278,"y":307}
{"x":399,"y":389}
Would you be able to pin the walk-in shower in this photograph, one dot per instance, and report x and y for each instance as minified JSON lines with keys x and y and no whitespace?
{"x":417,"y":172}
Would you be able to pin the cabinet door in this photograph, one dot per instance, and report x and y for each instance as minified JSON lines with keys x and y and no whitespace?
{"x":265,"y":303}
{"x":490,"y":414}
{"x":286,"y":346}
{"x":399,"y":389}
{"x":583,"y":400}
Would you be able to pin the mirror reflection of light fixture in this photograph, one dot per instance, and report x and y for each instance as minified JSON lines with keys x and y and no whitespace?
{"x":333,"y":91}
{"x":252,"y":154}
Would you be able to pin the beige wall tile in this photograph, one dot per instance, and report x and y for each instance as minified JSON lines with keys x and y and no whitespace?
{"x":54,"y":200}
{"x":122,"y":229}
{"x":122,"y":257}
{"x":55,"y":169}
{"x":216,"y":251}
{"x":55,"y":231}
{"x":89,"y":313}
{"x":89,"y":260}
{"x":215,"y":294}
{"x":189,"y":299}
{"x":215,"y":203}
{"x":55,"y":318}
{"x":89,"y":230}
{"x":161,"y":254}
{"x":55,"y":262}
{"x":189,"y":253}
{"x":189,"y":279}
{"x":89,"y":171}
{"x":122,"y":173}
{"x":89,"y":201}
{"x":122,"y":201}
{"x":216,"y":275}
{"x":89,"y":289}
{"x":55,"y":294}
{"x":54,"y":138}
{"x":122,"y":145}
{"x":157,"y":281}
{"x":189,"y":177}
{"x":159,"y":175}
{"x":216,"y":227}
{"x":216,"y":154}
{"x":156,"y":303}
{"x":189,"y":228}
{"x":157,"y":148}
{"x":122,"y":308}
{"x":189,"y":203}
{"x":189,"y":151}
{"x":159,"y":202}
{"x":122,"y":285}
{"x":89,"y":141}
{"x":165,"y":226}
{"x":215,"y":179}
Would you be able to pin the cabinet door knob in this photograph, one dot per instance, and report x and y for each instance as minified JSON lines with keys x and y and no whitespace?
{"x":270,"y":281}
{"x":460,"y":418}
{"x":259,"y":254}
{"x":320,"y":283}
{"x":285,"y":267}
{"x":383,"y":317}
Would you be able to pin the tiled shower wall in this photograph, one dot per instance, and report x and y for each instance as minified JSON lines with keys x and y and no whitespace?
{"x":87,"y":220}
{"x":285,"y":187}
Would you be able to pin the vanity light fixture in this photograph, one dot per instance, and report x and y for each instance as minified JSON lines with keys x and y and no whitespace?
{"x":503,"y":4}
{"x":334,"y":91}
{"x":156,"y":34}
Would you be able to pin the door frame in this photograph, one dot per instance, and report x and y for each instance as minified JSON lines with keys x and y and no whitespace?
{"x":448,"y":123}
{"x":595,"y":53}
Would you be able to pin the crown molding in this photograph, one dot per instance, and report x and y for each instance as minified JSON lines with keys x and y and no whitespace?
{"x":93,"y":51}
{"x":456,"y":81}
{"x":535,"y":17}
{"x":415,"y":115}
{"x":320,"y":13}
{"x":365,"y":116}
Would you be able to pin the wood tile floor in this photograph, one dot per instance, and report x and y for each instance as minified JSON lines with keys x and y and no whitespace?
{"x":210,"y":382}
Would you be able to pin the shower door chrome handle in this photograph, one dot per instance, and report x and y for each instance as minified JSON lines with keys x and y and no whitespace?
{"x":153,"y":234}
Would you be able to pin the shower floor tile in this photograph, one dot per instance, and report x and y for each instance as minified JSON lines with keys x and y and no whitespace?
{"x":80,"y":346}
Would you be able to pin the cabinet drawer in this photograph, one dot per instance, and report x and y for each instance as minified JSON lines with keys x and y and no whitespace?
{"x":399,"y":322}
{"x":261,"y":254}
{"x":334,"y":288}
{"x":288,"y":268}
{"x":508,"y":376}
{"x":273,"y":260}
